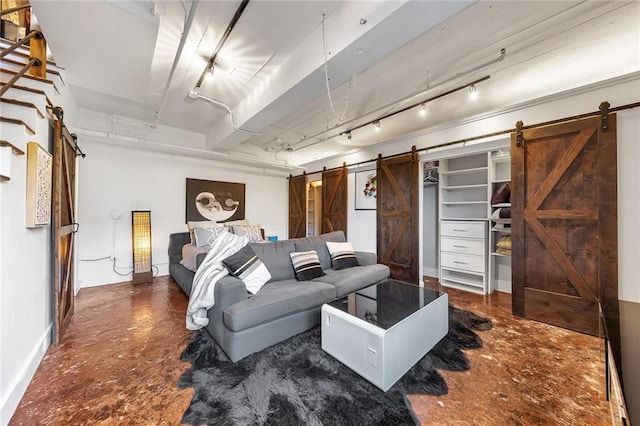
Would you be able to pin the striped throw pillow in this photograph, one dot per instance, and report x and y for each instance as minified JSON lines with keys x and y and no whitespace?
{"x":247,"y":266}
{"x":342,"y":255}
{"x":306,"y":265}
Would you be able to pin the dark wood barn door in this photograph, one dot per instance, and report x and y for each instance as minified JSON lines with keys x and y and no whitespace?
{"x":64,"y":226}
{"x":564,"y":224}
{"x":397,"y":216}
{"x":334,"y":200}
{"x":297,"y":206}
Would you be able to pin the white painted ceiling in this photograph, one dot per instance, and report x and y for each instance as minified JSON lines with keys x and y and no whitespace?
{"x":382,"y":56}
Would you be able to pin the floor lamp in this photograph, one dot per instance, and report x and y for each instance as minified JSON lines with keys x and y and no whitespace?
{"x":141,"y":246}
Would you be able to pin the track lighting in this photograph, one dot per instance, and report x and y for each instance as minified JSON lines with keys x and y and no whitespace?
{"x":473,"y":92}
{"x":423,"y":109}
{"x":376,"y":125}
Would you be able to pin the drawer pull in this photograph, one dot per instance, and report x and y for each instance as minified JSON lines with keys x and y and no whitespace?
{"x":460,"y":263}
{"x":458,"y":246}
{"x":459,"y":230}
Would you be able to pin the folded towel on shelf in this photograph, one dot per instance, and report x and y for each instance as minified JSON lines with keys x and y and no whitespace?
{"x":499,"y":217}
{"x":503,"y":246}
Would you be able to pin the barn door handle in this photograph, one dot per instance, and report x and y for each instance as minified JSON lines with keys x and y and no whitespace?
{"x":76,"y":226}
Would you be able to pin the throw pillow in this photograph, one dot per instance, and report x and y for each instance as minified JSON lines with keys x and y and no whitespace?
{"x":250,"y":231}
{"x":306,"y":265}
{"x":237,"y":222}
{"x":246,"y":265}
{"x":206,"y":236}
{"x":193,"y":224}
{"x":342,"y":255}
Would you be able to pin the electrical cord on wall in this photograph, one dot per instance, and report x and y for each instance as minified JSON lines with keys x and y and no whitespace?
{"x":157,"y":270}
{"x":96,"y":259}
{"x":122,"y":275}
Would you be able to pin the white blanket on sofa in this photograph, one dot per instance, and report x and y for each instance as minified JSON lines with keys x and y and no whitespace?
{"x":207,"y":275}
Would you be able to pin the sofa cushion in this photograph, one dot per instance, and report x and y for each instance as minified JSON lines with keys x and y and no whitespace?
{"x":275,"y":256}
{"x":342,"y":255}
{"x":306,"y":265}
{"x":276,"y":300}
{"x":351,"y":279}
{"x":246,"y":265}
{"x":319,"y":244}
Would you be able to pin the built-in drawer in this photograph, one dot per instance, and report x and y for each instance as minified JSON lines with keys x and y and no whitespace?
{"x":464,"y":262}
{"x":463,"y":229}
{"x":459,"y":245}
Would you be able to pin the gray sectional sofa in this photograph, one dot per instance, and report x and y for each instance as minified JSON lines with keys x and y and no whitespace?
{"x":242,"y":323}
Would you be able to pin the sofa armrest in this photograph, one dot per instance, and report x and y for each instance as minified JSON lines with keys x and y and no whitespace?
{"x":229,"y":290}
{"x":366,"y":258}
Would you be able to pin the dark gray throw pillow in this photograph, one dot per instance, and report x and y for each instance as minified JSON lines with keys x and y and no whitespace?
{"x":306,"y":265}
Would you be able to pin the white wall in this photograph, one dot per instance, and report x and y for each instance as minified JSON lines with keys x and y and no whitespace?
{"x":361,"y":224}
{"x":430,"y":230}
{"x":115,"y":178}
{"x":628,"y":204}
{"x":25,"y":273}
{"x":617,"y":92}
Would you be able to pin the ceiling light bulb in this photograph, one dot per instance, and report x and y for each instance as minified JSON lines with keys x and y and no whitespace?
{"x":209,"y":72}
{"x":423,"y":109}
{"x":473,"y":92}
{"x":376,"y":125}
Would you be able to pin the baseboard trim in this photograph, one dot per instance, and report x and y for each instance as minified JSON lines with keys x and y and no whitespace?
{"x":18,"y":387}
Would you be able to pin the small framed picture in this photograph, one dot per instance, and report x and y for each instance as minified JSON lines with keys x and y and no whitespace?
{"x":366,"y":190}
{"x":39,"y":175}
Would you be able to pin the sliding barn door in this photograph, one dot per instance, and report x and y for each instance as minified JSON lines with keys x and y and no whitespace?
{"x":297,"y":206}
{"x":334,"y":200}
{"x":397,"y":216}
{"x":64,"y":226}
{"x":564,"y":224}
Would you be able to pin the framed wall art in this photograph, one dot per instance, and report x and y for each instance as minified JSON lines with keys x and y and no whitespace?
{"x":39,"y":169}
{"x":214,"y":200}
{"x":366,"y":190}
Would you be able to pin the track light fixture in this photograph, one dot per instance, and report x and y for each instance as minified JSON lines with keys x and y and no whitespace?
{"x":376,"y":125}
{"x":423,"y":109}
{"x":473,"y":92}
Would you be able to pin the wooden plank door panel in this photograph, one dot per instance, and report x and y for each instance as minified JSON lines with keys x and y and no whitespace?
{"x":564,"y":224}
{"x":397,"y":216}
{"x":64,"y":226}
{"x":297,"y":206}
{"x":334,"y":200}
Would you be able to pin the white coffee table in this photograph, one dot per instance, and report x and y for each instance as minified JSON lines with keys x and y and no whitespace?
{"x":381,"y":331}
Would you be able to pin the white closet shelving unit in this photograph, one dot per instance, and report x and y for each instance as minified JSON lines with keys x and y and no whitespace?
{"x":499,"y":263}
{"x":464,"y":189}
{"x":314,"y":207}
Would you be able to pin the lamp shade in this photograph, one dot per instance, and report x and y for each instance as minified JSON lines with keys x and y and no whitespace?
{"x":141,"y":246}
